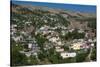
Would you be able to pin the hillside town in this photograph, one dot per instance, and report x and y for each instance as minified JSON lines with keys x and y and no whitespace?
{"x":52,"y":36}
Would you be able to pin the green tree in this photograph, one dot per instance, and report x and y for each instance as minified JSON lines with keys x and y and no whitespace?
{"x":33,"y":60}
{"x":94,"y":53}
{"x":40,"y":40}
{"x":92,"y":23}
{"x":81,"y":57}
{"x":18,"y":59}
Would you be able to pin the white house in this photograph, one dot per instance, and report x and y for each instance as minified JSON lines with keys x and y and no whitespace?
{"x":60,"y":43}
{"x":90,"y":40}
{"x":71,"y":30}
{"x":28,"y":54}
{"x":17,"y":38}
{"x":67,"y":55}
{"x":58,"y":49}
{"x":92,"y":44}
{"x":53,"y":39}
{"x":30,"y":45}
{"x":80,"y":31}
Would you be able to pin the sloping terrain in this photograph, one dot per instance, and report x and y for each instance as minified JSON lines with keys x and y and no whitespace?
{"x":44,"y":35}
